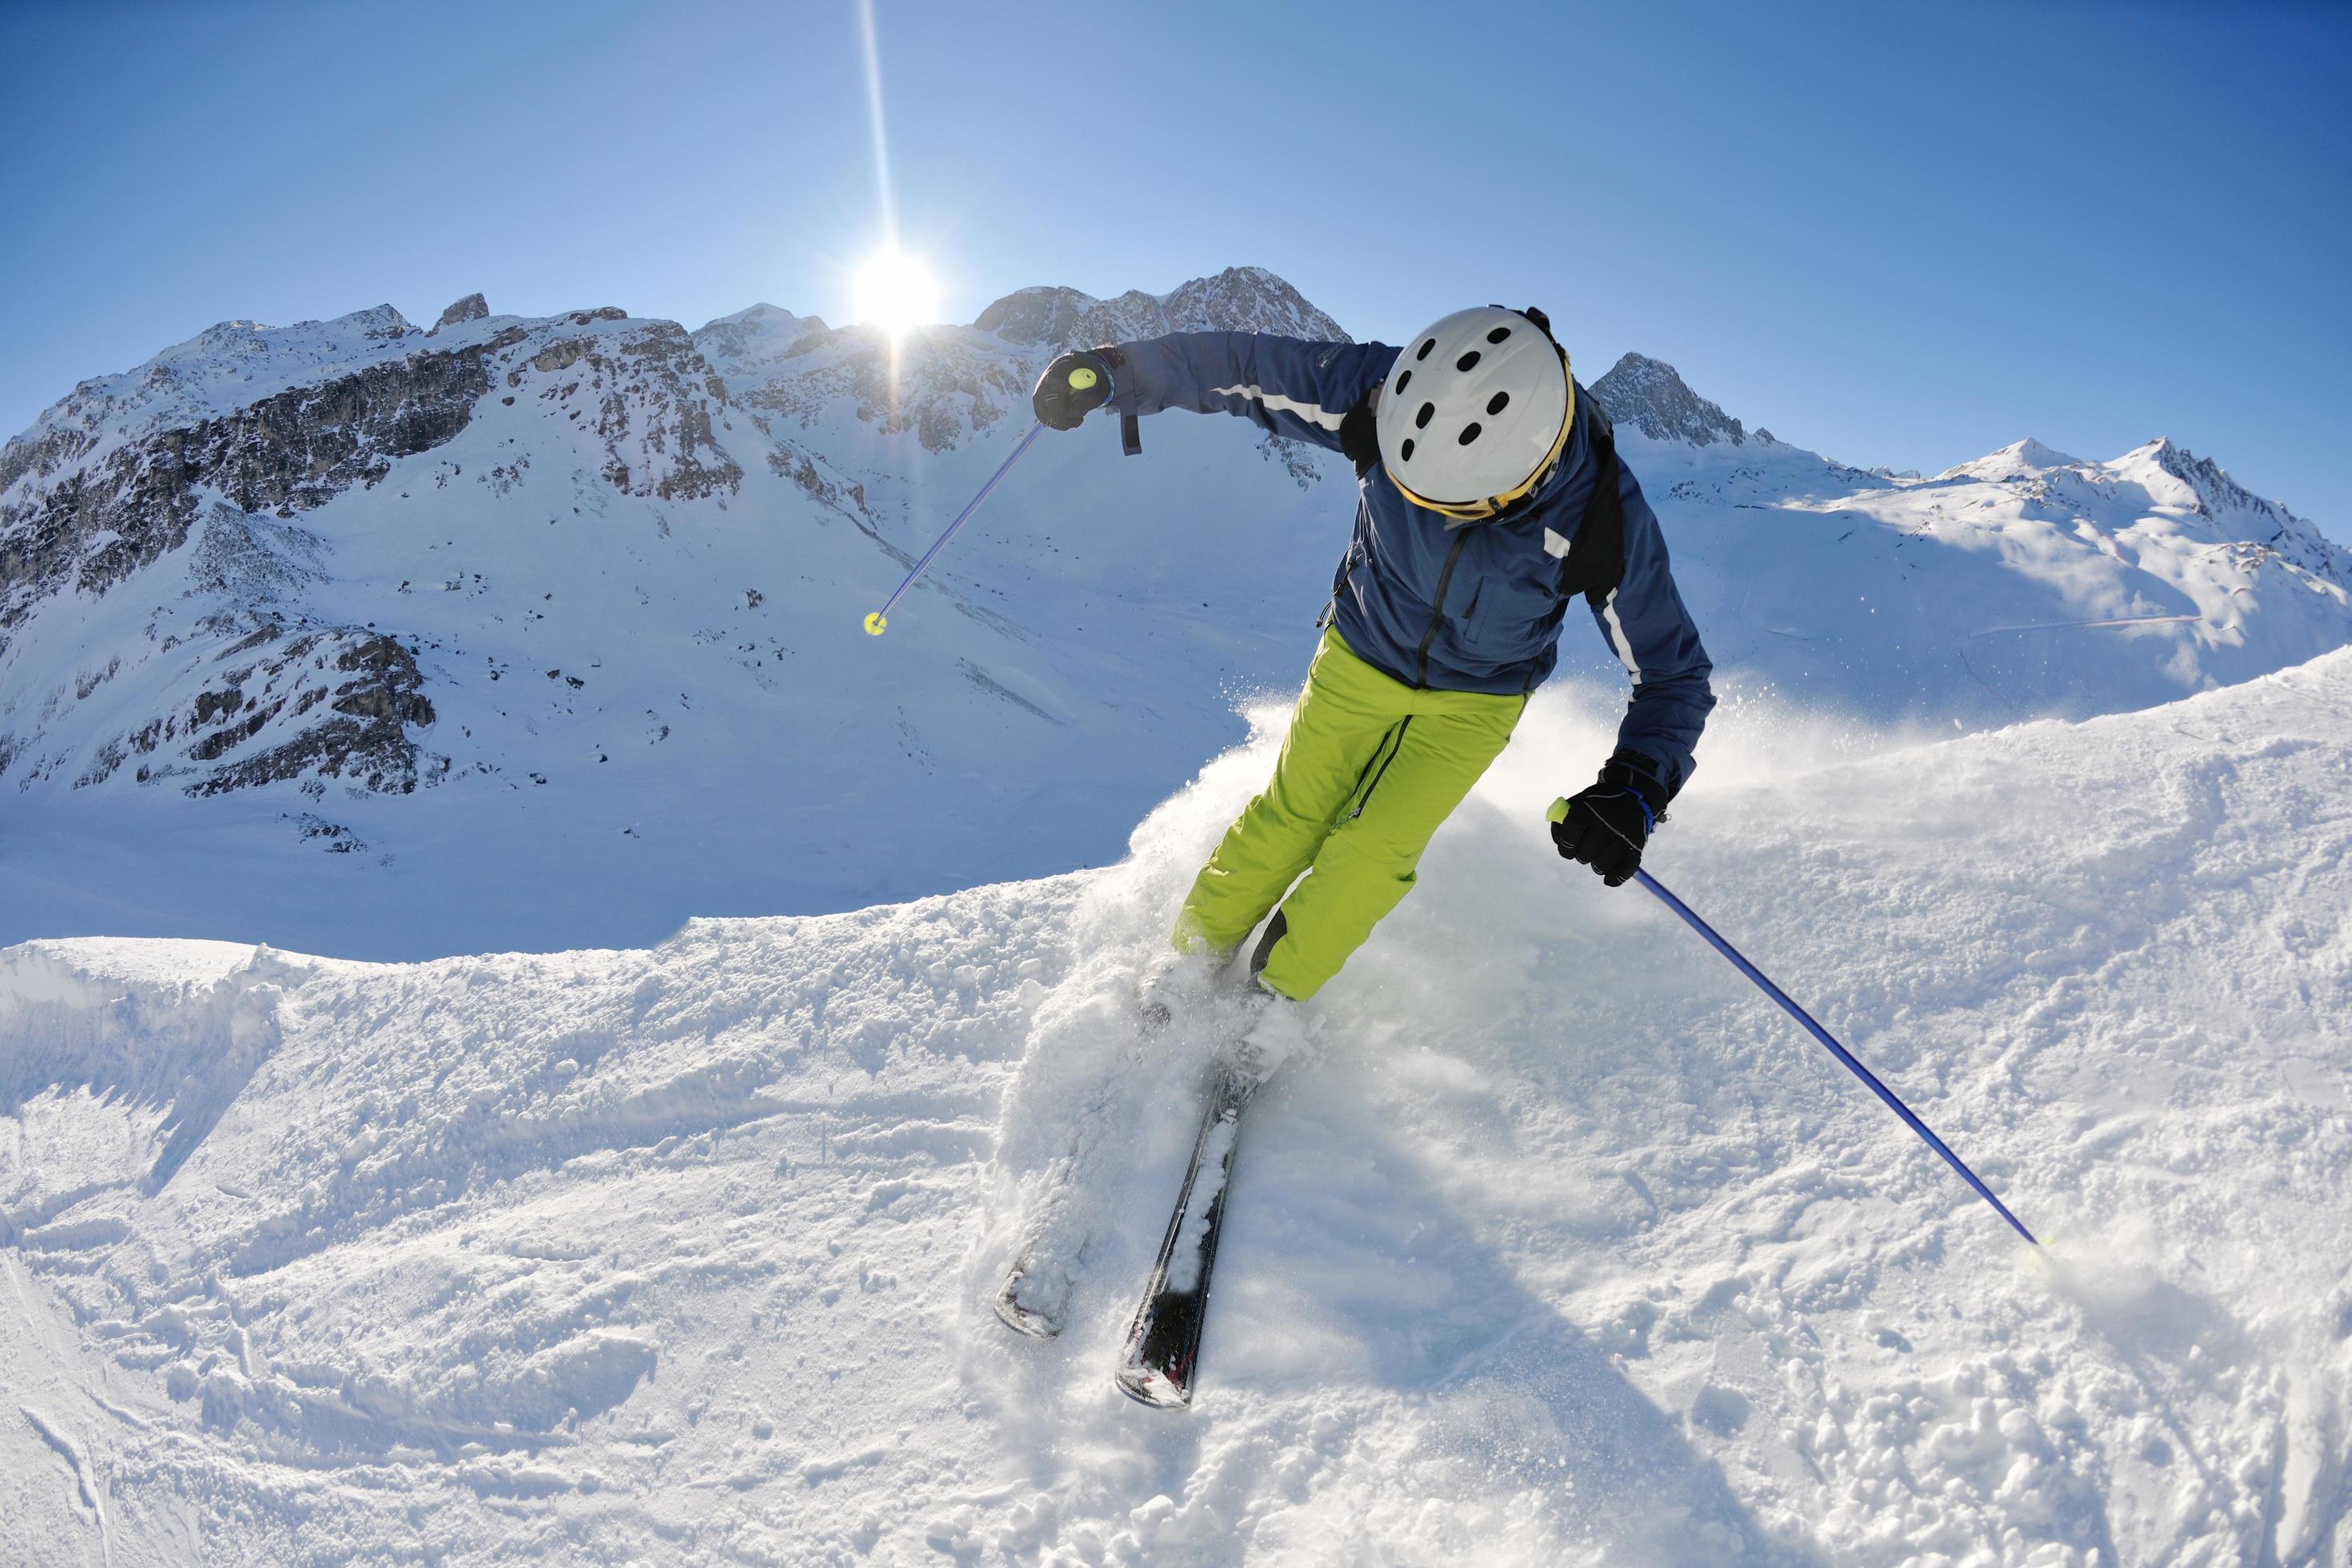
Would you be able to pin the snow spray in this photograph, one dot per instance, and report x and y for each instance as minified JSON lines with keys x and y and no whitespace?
{"x":879,"y":621}
{"x":1763,"y":982}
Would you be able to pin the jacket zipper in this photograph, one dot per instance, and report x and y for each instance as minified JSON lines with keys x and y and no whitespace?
{"x":1347,"y":564}
{"x":1437,"y":618}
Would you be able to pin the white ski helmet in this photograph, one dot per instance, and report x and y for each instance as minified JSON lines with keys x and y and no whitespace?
{"x":1476,"y":412}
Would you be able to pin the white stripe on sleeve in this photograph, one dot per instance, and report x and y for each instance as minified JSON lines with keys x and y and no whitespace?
{"x":1617,"y":637}
{"x":1313,"y":413}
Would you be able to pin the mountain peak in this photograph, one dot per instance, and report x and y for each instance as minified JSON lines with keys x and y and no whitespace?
{"x":1248,"y":299}
{"x":2211,"y":487}
{"x":760,"y":315}
{"x":239,"y":338}
{"x":755,"y":339}
{"x":2017,"y":460}
{"x":1652,"y":396}
{"x":2034,"y":454}
{"x":1238,"y":299}
{"x":472,"y":308}
{"x":1044,"y":314}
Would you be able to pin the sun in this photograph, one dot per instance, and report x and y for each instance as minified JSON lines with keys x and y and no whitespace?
{"x":894,"y":291}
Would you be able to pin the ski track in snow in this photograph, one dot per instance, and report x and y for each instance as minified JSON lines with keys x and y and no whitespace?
{"x":1561,"y":1244}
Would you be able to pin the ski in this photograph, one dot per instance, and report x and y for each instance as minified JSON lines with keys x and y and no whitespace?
{"x":1034,"y":1296}
{"x":1028,"y":1304}
{"x":1163,"y":1344}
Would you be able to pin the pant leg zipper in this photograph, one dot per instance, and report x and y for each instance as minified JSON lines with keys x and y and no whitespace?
{"x":1395,"y":746}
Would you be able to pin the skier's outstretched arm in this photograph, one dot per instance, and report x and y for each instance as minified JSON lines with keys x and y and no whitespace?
{"x":1289,"y":386}
{"x":1653,"y":636}
{"x":1645,"y":623}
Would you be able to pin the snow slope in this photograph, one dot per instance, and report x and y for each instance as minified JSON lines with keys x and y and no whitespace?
{"x":544,"y":631}
{"x":1563,"y":1247}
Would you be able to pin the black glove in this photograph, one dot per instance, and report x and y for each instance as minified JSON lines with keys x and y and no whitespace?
{"x":1605,"y":827}
{"x":1074,"y":386}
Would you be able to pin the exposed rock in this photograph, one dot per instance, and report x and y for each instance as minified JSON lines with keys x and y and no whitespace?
{"x":1650,"y":396}
{"x":2215,"y":490}
{"x":214,"y":447}
{"x":331,"y":837}
{"x":472,"y":308}
{"x":282,"y":454}
{"x":254,"y":559}
{"x":367,"y":744}
{"x":2215,"y":496}
{"x":384,"y":323}
{"x":43,"y":451}
{"x":788,"y":461}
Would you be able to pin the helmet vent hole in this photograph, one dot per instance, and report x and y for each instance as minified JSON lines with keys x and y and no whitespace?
{"x":1497,"y":403}
{"x":1498,"y":335}
{"x":1408,"y":449}
{"x":1424,"y":350}
{"x":1421,"y":420}
{"x":1467,"y":362}
{"x":1401,"y":380}
{"x":1470,"y":432}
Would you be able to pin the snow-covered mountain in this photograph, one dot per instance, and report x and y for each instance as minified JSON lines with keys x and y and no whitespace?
{"x":2022,"y":584}
{"x":412,"y":637}
{"x":545,"y":632}
{"x":1566,"y":1248}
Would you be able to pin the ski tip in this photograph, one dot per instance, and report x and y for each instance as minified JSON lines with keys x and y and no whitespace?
{"x":1149,"y":1386}
{"x":1020,"y":1318}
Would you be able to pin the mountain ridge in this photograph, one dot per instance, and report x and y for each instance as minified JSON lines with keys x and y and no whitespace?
{"x":599,"y":577}
{"x":1646,"y":393}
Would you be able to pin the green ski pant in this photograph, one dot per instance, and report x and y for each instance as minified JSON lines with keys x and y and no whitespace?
{"x":1369,"y":768}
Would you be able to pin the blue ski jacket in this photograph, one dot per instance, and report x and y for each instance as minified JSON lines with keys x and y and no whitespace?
{"x":1470,"y":606}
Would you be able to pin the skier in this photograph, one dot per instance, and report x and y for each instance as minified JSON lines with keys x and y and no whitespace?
{"x":1490,"y":495}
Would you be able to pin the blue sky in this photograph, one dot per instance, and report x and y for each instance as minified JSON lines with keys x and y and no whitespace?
{"x":1896,"y":234}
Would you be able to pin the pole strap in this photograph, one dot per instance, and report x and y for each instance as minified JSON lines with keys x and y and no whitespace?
{"x":1122,"y":400}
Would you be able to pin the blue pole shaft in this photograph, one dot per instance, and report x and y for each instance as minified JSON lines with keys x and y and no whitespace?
{"x":1894,"y":1103}
{"x":962,"y":518}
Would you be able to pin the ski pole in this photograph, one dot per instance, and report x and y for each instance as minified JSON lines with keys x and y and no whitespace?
{"x":879,"y":621}
{"x":1893,"y":1101}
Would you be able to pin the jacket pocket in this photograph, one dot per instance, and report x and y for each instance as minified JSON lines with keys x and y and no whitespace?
{"x":1513,"y":610}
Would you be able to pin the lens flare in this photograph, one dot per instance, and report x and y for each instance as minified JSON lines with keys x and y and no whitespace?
{"x":894,"y":292}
